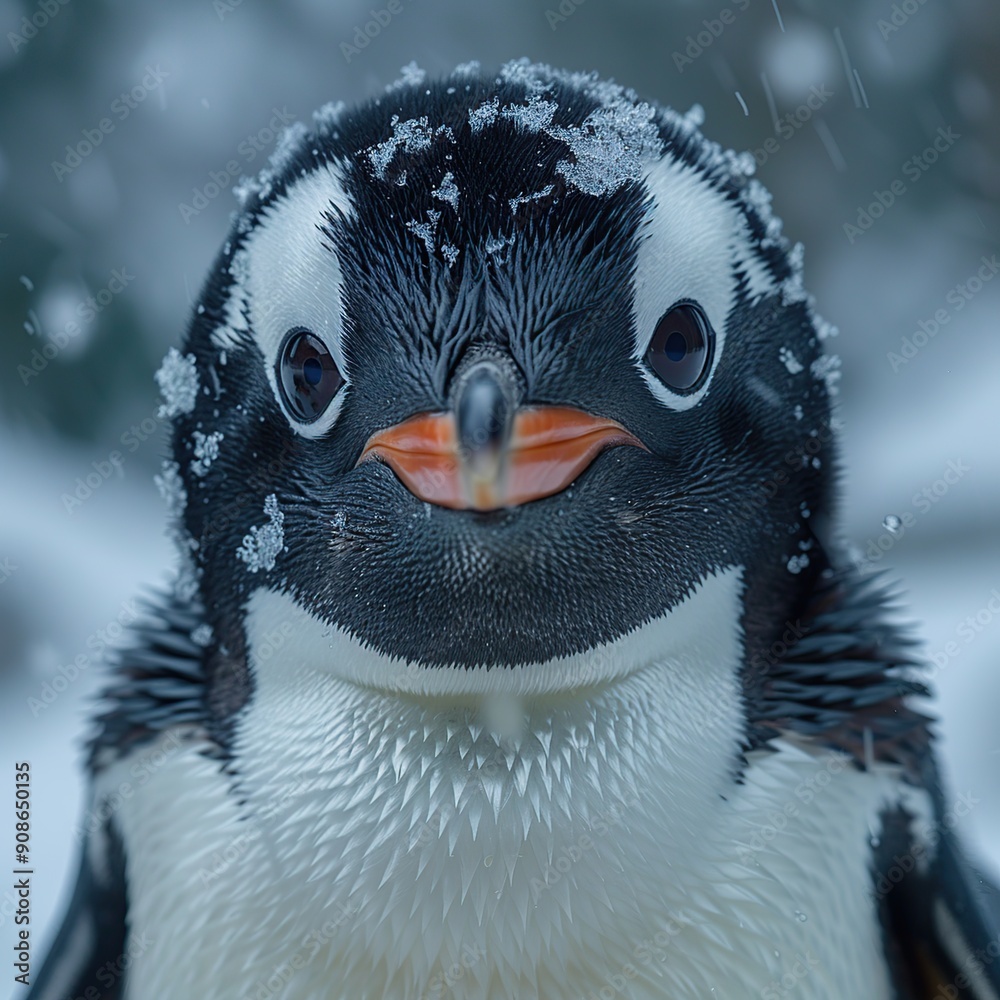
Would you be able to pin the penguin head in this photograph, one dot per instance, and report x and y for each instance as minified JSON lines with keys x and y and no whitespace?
{"x":496,"y":370}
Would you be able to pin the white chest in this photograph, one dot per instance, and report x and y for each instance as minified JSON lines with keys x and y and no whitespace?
{"x":588,"y":843}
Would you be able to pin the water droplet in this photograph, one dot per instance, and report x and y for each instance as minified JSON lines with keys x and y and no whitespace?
{"x":892,"y":523}
{"x":800,"y":917}
{"x":488,"y":860}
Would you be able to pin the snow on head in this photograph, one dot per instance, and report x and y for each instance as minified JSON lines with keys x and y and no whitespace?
{"x":206,"y":450}
{"x":535,"y":116}
{"x":171,"y":488}
{"x":411,"y":75}
{"x":610,"y":147}
{"x":178,"y":382}
{"x":485,"y":115}
{"x":411,"y":136}
{"x":261,"y":547}
{"x":447,"y":191}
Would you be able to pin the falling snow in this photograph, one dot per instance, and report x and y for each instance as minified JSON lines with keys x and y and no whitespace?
{"x":261,"y":547}
{"x":178,"y":382}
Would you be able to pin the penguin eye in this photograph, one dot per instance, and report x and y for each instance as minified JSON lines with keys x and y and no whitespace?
{"x":307,"y":374}
{"x":680,"y":351}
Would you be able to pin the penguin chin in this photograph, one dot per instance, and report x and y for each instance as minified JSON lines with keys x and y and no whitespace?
{"x":686,"y":632}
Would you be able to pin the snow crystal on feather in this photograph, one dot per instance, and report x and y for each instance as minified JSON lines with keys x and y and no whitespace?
{"x":609,"y":148}
{"x":535,"y":116}
{"x":202,"y":635}
{"x":206,"y":451}
{"x":527,"y":199}
{"x":826,"y":368}
{"x":261,"y":547}
{"x":411,"y":75}
{"x":178,"y":382}
{"x":447,"y":191}
{"x":470,"y":68}
{"x":485,"y":115}
{"x":171,"y":488}
{"x":412,"y":136}
{"x":328,"y":117}
{"x":426,"y":230}
{"x":789,"y":360}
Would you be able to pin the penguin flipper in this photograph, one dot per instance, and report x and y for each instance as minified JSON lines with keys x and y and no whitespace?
{"x":942,"y":925}
{"x":88,"y":956}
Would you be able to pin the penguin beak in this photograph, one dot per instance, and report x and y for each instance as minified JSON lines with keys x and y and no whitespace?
{"x":484,"y":457}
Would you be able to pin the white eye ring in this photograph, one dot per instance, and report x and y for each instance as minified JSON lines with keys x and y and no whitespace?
{"x":293,"y":281}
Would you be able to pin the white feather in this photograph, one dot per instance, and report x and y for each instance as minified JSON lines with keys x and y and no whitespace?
{"x":694,"y":241}
{"x":515,"y":841}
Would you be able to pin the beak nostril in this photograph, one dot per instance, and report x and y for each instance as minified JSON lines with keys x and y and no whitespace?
{"x":484,"y":417}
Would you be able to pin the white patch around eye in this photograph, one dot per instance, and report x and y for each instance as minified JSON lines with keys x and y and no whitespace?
{"x":293,"y":280}
{"x":694,"y":241}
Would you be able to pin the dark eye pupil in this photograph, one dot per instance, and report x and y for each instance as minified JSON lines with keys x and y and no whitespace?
{"x":680,"y":351}
{"x":307,"y":374}
{"x":676,"y":346}
{"x":312,"y":371}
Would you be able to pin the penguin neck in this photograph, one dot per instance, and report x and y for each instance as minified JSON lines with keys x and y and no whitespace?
{"x":479,"y":806}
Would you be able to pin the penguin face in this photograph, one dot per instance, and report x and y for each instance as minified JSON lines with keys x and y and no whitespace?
{"x":496,"y":370}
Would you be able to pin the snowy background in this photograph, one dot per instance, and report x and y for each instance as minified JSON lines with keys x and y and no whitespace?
{"x":190,"y":86}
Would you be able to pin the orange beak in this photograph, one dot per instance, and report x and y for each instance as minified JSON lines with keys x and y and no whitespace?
{"x":548,"y":447}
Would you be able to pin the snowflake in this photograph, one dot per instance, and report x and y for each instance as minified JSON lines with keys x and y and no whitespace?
{"x":261,"y":547}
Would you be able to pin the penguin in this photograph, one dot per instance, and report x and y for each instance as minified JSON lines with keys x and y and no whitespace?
{"x":514,"y":650}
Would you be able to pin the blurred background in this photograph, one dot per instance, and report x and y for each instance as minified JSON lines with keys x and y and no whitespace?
{"x":119,"y":125}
